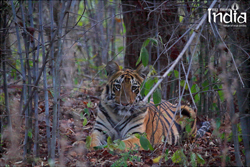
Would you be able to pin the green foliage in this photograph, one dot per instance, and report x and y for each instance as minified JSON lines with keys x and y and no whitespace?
{"x":86,"y":110}
{"x":176,"y":74}
{"x":166,"y":154}
{"x":117,"y":144}
{"x":145,"y":143}
{"x":195,"y":88}
{"x":157,"y":96}
{"x":205,"y":85}
{"x":147,"y":85}
{"x":144,"y":56}
{"x":180,"y":18}
{"x":110,"y":144}
{"x":85,"y":121}
{"x":193,"y":159}
{"x":218,"y":123}
{"x":200,"y":160}
{"x":120,"y":49}
{"x":2,"y":99}
{"x":239,"y":134}
{"x":30,"y":133}
{"x":88,"y":141}
{"x":188,"y":128}
{"x":188,"y":125}
{"x":83,"y":20}
{"x":221,"y":94}
{"x":182,"y":83}
{"x":121,"y":145}
{"x":180,"y":158}
{"x":124,"y":29}
{"x":126,"y":157}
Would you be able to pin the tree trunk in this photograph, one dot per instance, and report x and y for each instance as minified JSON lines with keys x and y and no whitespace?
{"x":142,"y":20}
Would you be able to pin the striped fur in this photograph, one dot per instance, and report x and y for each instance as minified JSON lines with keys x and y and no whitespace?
{"x":121,"y":112}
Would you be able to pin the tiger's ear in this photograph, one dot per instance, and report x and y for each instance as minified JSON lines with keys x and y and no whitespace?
{"x":112,"y":67}
{"x":142,"y":71}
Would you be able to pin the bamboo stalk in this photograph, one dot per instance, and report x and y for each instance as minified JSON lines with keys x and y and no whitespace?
{"x":35,"y":75}
{"x":41,"y":30}
{"x":5,"y":81}
{"x":56,"y":81}
{"x":28,"y":114}
{"x":19,"y":50}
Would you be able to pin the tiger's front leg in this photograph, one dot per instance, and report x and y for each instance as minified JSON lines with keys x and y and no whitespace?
{"x":96,"y":138}
{"x":131,"y":142}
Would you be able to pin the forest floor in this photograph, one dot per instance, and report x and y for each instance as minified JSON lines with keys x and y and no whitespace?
{"x":76,"y":108}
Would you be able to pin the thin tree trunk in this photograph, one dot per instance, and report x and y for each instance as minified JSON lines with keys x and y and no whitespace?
{"x":227,"y":86}
{"x":23,"y":95}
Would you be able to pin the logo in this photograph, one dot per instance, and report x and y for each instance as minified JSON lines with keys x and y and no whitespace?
{"x":228,"y":17}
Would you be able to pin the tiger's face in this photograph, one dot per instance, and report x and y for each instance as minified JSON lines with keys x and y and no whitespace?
{"x":122,"y":92}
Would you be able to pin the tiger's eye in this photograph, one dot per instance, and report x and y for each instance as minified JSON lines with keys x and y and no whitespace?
{"x":117,"y":87}
{"x":134,"y":87}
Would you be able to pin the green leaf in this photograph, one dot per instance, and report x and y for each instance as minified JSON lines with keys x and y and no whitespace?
{"x":188,"y":128}
{"x":88,"y":141}
{"x":93,"y":57}
{"x":81,"y":115}
{"x":86,"y":110}
{"x":157,"y":159}
{"x":89,"y":104}
{"x":100,"y":147}
{"x":148,"y":86}
{"x":122,"y":145}
{"x":200,"y":160}
{"x":176,"y":158}
{"x":166,"y":154}
{"x":176,"y":74}
{"x":221,"y":93}
{"x":183,"y":83}
{"x":193,"y":159}
{"x":180,"y":18}
{"x":145,"y":43}
{"x":197,"y":98}
{"x":139,"y":60}
{"x":240,"y":138}
{"x":145,"y":143}
{"x":170,"y":73}
{"x":30,"y":134}
{"x":144,"y":56}
{"x":157,"y":96}
{"x":120,"y":49}
{"x":109,"y":140}
{"x":218,"y":123}
{"x":137,"y":135}
{"x":205,"y":85}
{"x":110,"y":144}
{"x":160,"y":38}
{"x":154,"y":41}
{"x":85,"y":121}
{"x":195,"y":88}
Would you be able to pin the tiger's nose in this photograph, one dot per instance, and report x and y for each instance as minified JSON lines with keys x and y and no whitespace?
{"x":125,"y":104}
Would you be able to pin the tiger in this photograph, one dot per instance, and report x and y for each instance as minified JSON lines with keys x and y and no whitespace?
{"x":122,"y":113}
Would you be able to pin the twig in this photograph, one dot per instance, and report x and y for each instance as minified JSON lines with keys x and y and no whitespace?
{"x":180,"y":55}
